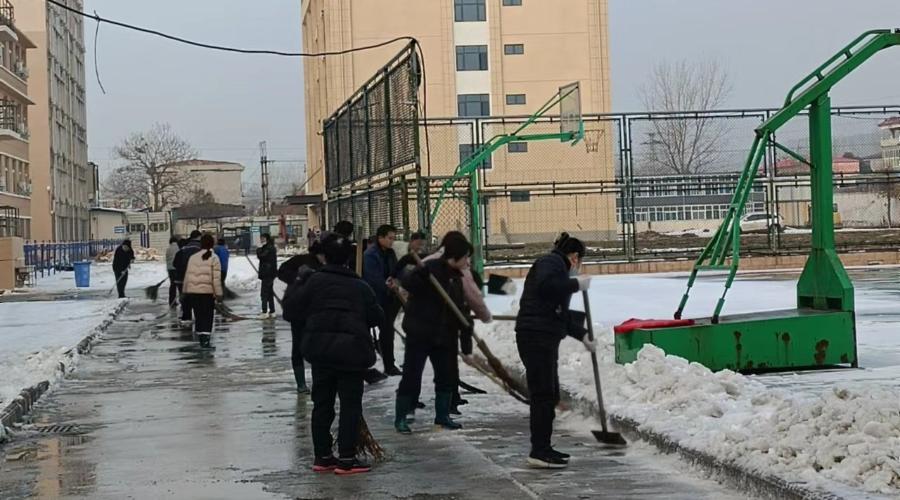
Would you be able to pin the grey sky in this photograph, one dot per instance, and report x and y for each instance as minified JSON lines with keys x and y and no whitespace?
{"x":226,"y":103}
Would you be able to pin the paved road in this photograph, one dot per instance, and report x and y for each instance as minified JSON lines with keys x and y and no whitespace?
{"x":148,"y":415}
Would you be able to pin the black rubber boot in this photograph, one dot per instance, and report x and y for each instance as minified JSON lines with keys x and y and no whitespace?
{"x":401,"y":409}
{"x":442,"y":411}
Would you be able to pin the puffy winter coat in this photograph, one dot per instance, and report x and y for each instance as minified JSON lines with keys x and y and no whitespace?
{"x":268,"y":261}
{"x":222,"y":253}
{"x":182,"y":257}
{"x":378,"y":266}
{"x":203,"y":277}
{"x":338,"y":309}
{"x":428,"y":320}
{"x":171,"y":252}
{"x":544,"y":308}
{"x":471,"y":291}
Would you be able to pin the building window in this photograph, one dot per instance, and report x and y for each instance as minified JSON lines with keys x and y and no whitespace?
{"x":515,"y":99}
{"x":471,"y":58}
{"x":519,"y":196}
{"x":469,"y":10}
{"x":473,"y":105}
{"x":514,"y":49}
{"x":467,"y":150}
{"x":512,"y":3}
{"x":517,"y":147}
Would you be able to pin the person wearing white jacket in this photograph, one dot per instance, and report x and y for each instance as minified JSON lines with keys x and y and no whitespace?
{"x":203,"y":284}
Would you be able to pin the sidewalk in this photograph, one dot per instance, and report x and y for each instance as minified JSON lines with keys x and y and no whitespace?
{"x":148,"y":415}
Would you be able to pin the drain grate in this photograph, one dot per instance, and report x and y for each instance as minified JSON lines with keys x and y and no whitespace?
{"x":57,"y":429}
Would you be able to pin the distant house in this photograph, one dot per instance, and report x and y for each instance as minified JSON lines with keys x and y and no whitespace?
{"x":843,"y":165}
{"x":221,"y":179}
{"x":890,"y":143}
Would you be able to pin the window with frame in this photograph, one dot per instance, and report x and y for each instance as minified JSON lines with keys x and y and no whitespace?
{"x":467,"y":150}
{"x":512,"y":3}
{"x":514,"y":49}
{"x":470,"y":105}
{"x":517,"y":147}
{"x":515,"y":99}
{"x":469,"y":11}
{"x":519,"y":196}
{"x":471,"y":58}
{"x":136,"y":228}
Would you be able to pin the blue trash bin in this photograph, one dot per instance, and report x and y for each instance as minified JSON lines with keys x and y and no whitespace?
{"x":83,"y":274}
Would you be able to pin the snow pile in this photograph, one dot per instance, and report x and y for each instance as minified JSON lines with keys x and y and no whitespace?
{"x":141,"y":275}
{"x":35,"y":343}
{"x":835,"y":434}
{"x":141,"y":254}
{"x":242,"y":273}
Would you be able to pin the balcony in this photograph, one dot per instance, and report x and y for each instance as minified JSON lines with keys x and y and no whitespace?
{"x":890,"y":142}
{"x":8,"y":23}
{"x":12,"y":121}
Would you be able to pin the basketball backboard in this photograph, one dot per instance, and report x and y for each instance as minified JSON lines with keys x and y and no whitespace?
{"x":571,"y":124}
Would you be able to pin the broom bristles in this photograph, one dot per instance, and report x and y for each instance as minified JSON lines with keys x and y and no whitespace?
{"x":366,"y":444}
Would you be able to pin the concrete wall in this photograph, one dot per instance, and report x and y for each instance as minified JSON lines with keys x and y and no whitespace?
{"x":103,"y":224}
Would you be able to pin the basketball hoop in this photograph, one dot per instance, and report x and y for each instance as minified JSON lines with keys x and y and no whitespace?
{"x":592,"y":140}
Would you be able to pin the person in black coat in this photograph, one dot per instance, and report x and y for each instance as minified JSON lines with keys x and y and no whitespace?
{"x":267,"y":272}
{"x":295,"y":272}
{"x":432,"y":333}
{"x":190,"y":247}
{"x":122,"y":259}
{"x":338,"y":309}
{"x":544,"y":319}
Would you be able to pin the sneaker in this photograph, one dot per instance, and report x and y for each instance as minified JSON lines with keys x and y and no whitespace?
{"x":563,"y":456}
{"x":546,"y":461}
{"x":325,"y":464}
{"x":353,"y":465}
{"x":303,"y":390}
{"x":392,"y":371}
{"x":263,"y":316}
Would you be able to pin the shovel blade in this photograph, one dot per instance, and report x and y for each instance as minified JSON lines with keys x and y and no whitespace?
{"x":609,"y":438}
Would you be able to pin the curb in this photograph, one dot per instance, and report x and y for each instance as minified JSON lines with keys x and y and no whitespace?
{"x":14,"y":412}
{"x":745,"y":480}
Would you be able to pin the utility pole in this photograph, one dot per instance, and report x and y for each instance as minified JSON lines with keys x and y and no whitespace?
{"x":264,"y":168}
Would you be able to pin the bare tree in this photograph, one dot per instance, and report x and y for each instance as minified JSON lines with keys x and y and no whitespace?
{"x":199,"y":196}
{"x":152,"y":176}
{"x":685,"y":145}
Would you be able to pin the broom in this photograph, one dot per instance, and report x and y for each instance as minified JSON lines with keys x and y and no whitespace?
{"x":152,"y":291}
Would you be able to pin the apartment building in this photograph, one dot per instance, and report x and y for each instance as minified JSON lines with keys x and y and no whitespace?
{"x":15,"y":167}
{"x":63,"y":181}
{"x":483,"y":58}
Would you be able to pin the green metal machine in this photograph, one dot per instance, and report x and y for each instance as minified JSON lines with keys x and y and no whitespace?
{"x":821,"y":332}
{"x":571,"y":130}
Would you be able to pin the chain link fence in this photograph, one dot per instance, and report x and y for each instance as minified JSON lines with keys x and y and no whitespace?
{"x":647,"y":185}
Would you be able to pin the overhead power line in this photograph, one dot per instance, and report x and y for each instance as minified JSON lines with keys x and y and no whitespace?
{"x":223,"y":48}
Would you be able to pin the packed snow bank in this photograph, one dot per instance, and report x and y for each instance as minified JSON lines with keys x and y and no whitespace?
{"x":35,"y":342}
{"x":841,"y":427}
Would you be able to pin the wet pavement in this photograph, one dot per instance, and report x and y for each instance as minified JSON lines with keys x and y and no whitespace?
{"x":149,"y":415}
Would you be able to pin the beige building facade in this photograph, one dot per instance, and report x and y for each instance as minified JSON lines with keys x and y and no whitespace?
{"x":221,"y":179}
{"x":16,"y":173}
{"x":483,"y":58}
{"x":62,"y":181}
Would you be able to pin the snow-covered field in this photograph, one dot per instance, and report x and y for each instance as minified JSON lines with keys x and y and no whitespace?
{"x":813,"y":427}
{"x":34,"y":342}
{"x":142,"y":274}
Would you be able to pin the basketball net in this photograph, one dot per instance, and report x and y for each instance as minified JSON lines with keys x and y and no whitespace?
{"x":592,"y":140}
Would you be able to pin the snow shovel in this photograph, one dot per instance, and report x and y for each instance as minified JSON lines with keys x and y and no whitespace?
{"x":152,"y":291}
{"x":604,"y":436}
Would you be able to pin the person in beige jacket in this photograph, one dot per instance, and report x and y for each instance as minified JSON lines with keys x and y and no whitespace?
{"x":203,"y":285}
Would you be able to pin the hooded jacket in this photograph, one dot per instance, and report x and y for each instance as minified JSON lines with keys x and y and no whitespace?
{"x":544,"y":307}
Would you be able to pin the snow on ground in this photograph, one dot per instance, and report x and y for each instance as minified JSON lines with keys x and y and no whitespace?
{"x":815,"y":427}
{"x":35,"y":342}
{"x":141,"y":275}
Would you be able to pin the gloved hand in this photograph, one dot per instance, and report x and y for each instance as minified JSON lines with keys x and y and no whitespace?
{"x":584,"y":282}
{"x":589,"y":345}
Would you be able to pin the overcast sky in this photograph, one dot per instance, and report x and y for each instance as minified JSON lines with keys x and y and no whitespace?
{"x":226,"y":103}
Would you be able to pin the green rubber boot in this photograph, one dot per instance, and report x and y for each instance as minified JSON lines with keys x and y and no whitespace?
{"x":402,"y":406}
{"x":442,"y":418}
